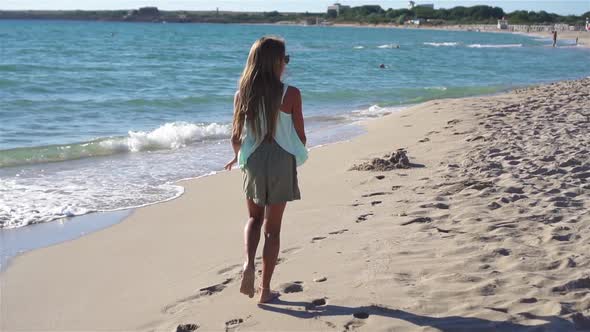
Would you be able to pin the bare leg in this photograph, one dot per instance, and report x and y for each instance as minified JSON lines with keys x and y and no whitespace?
{"x":251,"y":239}
{"x":272,"y":244}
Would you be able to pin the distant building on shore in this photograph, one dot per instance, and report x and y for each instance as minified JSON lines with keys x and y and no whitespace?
{"x":335,"y":9}
{"x":416,"y":21}
{"x":503,"y":23}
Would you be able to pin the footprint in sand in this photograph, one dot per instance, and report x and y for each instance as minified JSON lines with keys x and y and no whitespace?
{"x":514,"y":190}
{"x":373,"y":203}
{"x":187,"y":327}
{"x":206,"y":291}
{"x":435,"y":205}
{"x":229,"y":268}
{"x":488,"y":290}
{"x":318,"y":302}
{"x":317,"y":238}
{"x":578,"y":284}
{"x":528,"y":300}
{"x":375,"y":194}
{"x":562,"y":238}
{"x":233,"y":323}
{"x":485,"y":267}
{"x":421,"y":220}
{"x":494,"y":206}
{"x":330,"y":325}
{"x":502,"y":252}
{"x":288,"y":250}
{"x":353,"y":325}
{"x":339,"y":231}
{"x":291,"y":287}
{"x":441,"y":230}
{"x":357,"y":322}
{"x":363,"y":217}
{"x":503,"y":310}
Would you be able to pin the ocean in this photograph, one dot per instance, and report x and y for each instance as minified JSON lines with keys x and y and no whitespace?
{"x":100,"y":116}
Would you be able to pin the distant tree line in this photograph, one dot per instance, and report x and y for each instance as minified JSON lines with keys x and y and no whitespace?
{"x":152,"y":14}
{"x":372,"y":14}
{"x":457,"y":15}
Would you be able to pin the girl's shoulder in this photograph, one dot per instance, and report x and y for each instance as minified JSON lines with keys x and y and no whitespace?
{"x":292,"y":92}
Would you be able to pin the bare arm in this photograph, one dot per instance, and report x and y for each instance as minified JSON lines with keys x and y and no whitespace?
{"x":297,"y":115}
{"x":236,"y":142}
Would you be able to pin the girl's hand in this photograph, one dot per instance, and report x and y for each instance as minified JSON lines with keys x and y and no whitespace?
{"x":229,"y":165}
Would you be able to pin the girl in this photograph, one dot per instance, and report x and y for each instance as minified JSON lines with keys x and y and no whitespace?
{"x":268,"y":139}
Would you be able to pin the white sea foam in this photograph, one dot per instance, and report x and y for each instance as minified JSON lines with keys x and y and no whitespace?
{"x":169,"y":136}
{"x":358,"y":47}
{"x":388,"y":46}
{"x":441,"y":44}
{"x":374,"y":112}
{"x":439,"y":88}
{"x":494,"y":45}
{"x":43,"y":192}
{"x":52,"y":192}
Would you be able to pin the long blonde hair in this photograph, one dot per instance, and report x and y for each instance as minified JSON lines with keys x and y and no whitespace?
{"x":260,"y":88}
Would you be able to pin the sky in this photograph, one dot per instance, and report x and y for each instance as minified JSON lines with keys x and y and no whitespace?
{"x":563,"y":7}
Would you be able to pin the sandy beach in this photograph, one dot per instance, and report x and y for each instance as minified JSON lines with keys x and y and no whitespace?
{"x":583,"y":36}
{"x":488,"y":230}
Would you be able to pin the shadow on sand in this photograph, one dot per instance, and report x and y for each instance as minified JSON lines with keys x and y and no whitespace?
{"x":307,"y":310}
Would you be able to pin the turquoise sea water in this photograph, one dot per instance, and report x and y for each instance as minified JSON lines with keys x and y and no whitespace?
{"x":99,"y":116}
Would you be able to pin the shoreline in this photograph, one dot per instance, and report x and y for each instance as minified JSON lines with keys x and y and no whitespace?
{"x":16,"y":242}
{"x":142,"y":273}
{"x":584,"y":41}
{"x":70,"y":228}
{"x":73,"y":228}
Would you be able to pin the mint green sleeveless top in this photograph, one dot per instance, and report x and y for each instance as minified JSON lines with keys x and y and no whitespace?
{"x":285,"y":136}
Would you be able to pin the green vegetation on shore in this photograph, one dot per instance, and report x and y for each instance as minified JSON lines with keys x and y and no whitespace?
{"x":456,"y":15}
{"x":361,"y":14}
{"x":152,"y":14}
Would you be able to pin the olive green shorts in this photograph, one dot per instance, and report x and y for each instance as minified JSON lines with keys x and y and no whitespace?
{"x":270,"y":175}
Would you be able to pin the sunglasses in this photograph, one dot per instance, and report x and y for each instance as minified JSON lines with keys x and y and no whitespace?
{"x":287,"y":59}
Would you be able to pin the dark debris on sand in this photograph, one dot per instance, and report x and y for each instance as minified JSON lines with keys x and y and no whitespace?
{"x":396,"y":160}
{"x":187,"y":328}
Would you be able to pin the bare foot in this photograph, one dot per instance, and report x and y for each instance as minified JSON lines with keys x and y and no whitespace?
{"x":247,"y":286}
{"x":266,"y":295}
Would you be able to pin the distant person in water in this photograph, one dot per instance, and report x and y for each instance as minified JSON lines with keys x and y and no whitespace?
{"x":382,"y":66}
{"x":554,"y":38}
{"x":268,"y":139}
